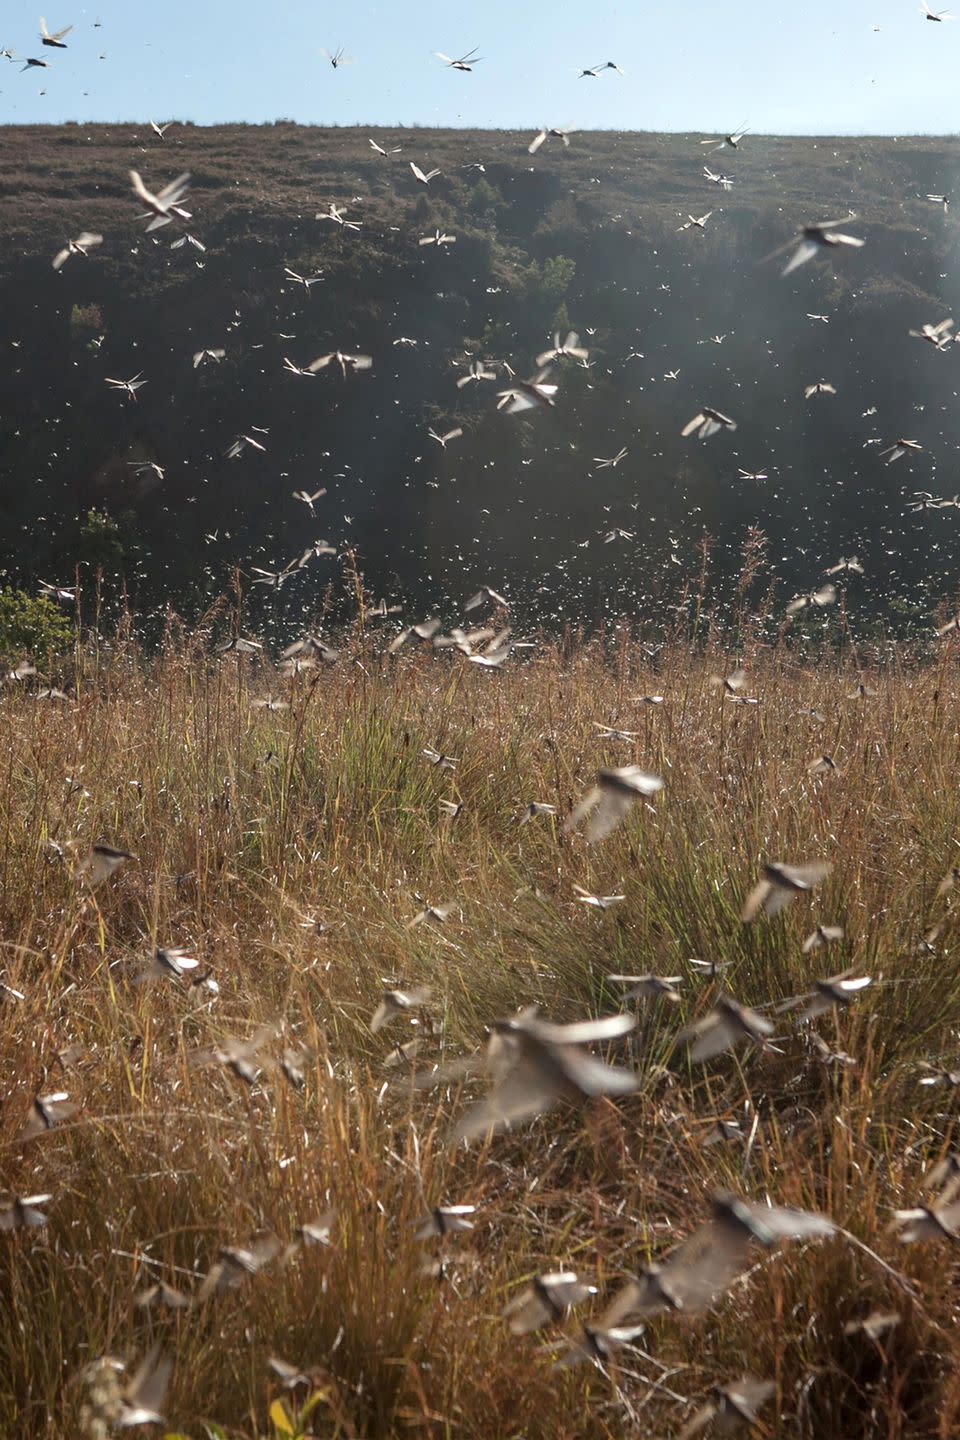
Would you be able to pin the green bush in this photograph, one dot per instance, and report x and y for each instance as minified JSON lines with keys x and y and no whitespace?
{"x":483,"y":199}
{"x":85,"y":319}
{"x":31,"y":625}
{"x":553,"y":278}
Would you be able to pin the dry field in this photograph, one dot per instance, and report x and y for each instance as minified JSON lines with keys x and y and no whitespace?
{"x":287,"y":851}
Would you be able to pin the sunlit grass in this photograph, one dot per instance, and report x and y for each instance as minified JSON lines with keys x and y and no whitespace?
{"x":287,"y":852}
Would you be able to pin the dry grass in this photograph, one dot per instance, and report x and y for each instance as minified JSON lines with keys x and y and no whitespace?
{"x":168,"y":1160}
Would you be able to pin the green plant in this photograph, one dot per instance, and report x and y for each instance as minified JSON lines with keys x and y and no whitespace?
{"x":482,"y":199}
{"x":554,"y":278}
{"x":31,"y":625}
{"x":288,"y":1421}
{"x":85,"y":319}
{"x":100,"y":546}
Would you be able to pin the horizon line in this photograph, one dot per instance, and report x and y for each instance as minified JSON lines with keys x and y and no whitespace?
{"x":754,"y":136}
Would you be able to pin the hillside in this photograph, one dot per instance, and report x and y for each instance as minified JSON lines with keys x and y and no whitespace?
{"x":588,"y":233}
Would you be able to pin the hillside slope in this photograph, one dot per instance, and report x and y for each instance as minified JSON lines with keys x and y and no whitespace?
{"x":587,"y":233}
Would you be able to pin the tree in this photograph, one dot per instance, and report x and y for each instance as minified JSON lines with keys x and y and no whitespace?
{"x":100,"y":546}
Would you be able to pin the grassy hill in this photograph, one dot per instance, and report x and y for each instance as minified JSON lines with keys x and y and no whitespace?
{"x":586,"y":234}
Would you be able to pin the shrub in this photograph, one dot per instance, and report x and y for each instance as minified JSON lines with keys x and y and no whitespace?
{"x":85,"y":319}
{"x":554,"y":278}
{"x":31,"y":625}
{"x":482,"y":199}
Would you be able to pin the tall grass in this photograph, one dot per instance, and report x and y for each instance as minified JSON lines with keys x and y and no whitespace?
{"x":288,"y":851}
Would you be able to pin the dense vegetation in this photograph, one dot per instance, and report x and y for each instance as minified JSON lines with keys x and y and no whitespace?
{"x":587,"y":234}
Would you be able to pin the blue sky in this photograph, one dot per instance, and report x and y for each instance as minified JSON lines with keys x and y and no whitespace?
{"x":784,"y":66}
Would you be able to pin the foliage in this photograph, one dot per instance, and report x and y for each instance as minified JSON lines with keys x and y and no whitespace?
{"x":553,"y":278}
{"x":483,"y":201}
{"x":100,"y":546}
{"x":85,"y":319}
{"x":290,"y":1424}
{"x":610,"y":205}
{"x":31,"y":626}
